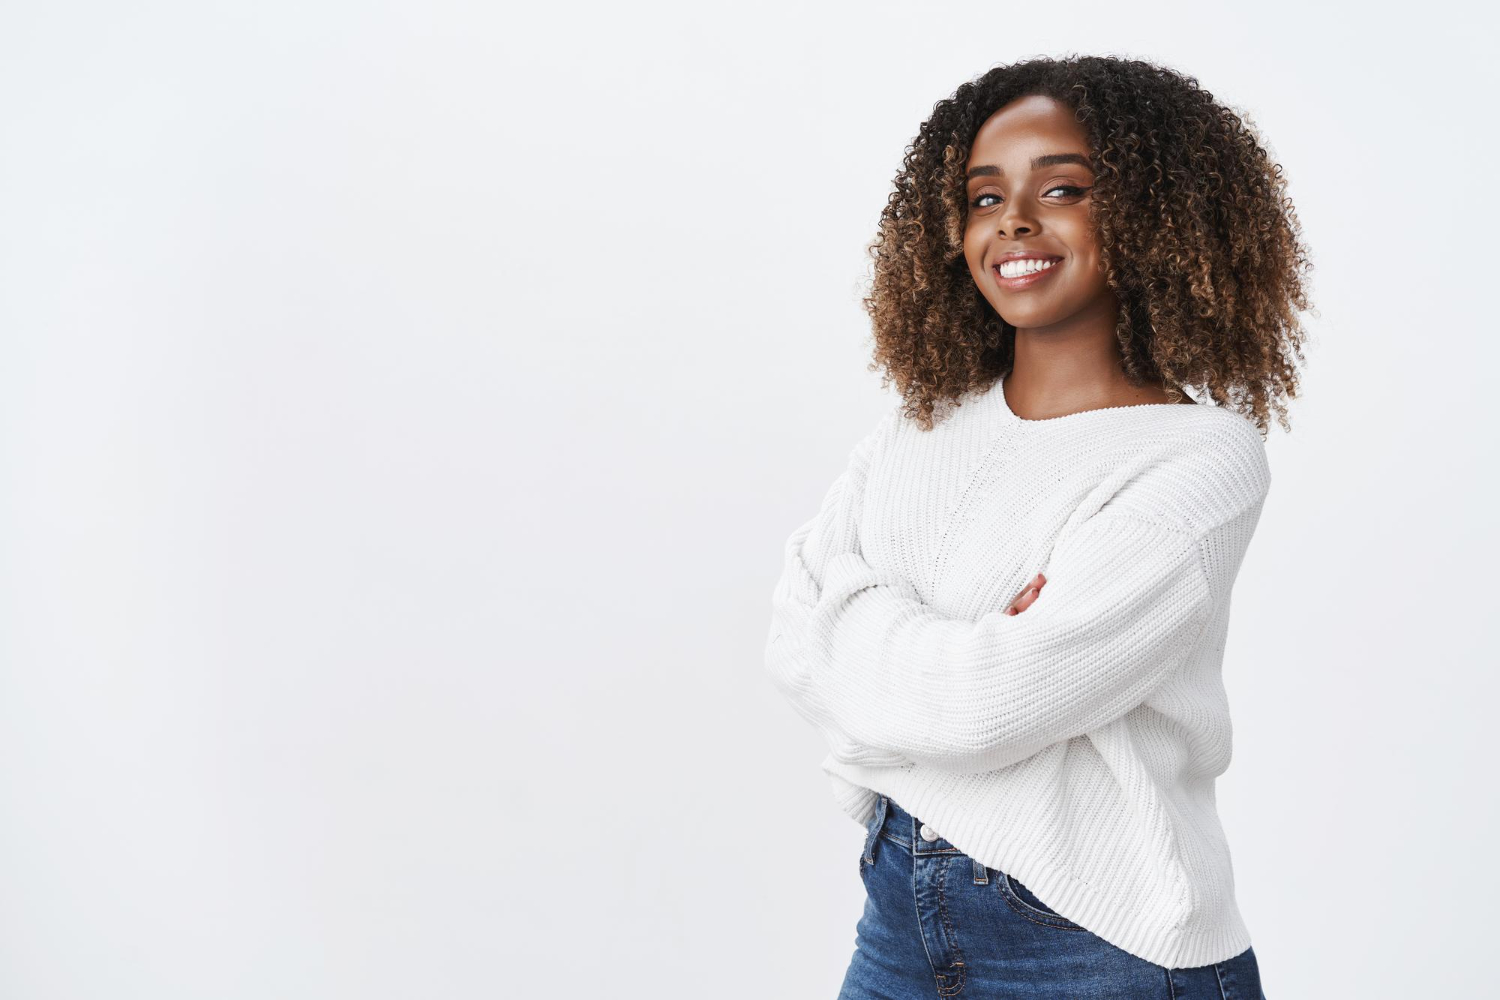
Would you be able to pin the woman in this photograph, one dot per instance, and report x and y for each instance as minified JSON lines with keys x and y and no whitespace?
{"x":1009,"y":622}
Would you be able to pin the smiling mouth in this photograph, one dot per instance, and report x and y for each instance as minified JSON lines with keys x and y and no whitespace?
{"x":1024,"y":267}
{"x":1025,"y":274}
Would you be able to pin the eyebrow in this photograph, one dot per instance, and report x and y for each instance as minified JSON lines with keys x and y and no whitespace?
{"x":1037,"y":163}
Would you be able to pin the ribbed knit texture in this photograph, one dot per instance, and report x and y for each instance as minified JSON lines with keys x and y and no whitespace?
{"x":1075,"y":744}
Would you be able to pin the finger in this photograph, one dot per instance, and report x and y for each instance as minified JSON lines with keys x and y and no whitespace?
{"x":1027,"y":599}
{"x":1023,"y":602}
{"x":1024,"y":599}
{"x":1034,"y":582}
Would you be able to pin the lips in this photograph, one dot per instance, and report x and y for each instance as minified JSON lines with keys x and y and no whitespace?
{"x":1029,"y":279}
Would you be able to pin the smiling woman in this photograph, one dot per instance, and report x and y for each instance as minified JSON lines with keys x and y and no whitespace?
{"x":1033,"y":249}
{"x":1053,"y":183}
{"x":1168,"y":224}
{"x":1009,"y":623}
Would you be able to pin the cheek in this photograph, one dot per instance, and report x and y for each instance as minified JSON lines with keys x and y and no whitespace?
{"x":1085,"y":252}
{"x":1095,"y":262}
{"x":1086,"y":246}
{"x":974,"y":256}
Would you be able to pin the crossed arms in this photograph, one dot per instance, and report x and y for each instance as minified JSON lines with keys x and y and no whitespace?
{"x":889,"y":680}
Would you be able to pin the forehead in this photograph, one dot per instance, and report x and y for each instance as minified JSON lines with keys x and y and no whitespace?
{"x":1026,"y":127}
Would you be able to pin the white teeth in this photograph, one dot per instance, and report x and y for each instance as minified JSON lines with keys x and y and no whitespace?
{"x":1016,"y":268}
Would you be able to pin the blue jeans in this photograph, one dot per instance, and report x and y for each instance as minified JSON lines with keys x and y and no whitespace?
{"x":937,"y":923}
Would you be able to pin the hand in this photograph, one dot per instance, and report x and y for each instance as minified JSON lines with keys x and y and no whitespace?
{"x":1027,"y":596}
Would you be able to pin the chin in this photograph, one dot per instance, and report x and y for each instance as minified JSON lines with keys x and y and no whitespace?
{"x":1027,"y":319}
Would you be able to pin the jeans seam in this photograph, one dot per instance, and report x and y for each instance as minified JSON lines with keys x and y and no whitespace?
{"x":958,"y":955}
{"x":1016,"y":903}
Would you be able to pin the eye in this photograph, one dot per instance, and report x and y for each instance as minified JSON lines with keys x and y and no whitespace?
{"x":1071,"y":191}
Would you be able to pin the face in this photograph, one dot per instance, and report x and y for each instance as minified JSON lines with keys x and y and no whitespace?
{"x":1028,"y":192}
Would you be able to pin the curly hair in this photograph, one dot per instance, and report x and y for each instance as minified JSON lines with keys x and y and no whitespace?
{"x":1197,"y":238}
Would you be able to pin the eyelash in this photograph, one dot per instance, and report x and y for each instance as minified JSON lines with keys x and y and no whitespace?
{"x":1056,"y":187}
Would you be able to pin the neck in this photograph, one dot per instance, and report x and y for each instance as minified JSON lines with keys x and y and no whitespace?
{"x":1058,"y":373}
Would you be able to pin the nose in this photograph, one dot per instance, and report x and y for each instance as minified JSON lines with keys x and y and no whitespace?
{"x":1015,"y":220}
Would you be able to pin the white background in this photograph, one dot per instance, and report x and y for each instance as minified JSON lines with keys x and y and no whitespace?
{"x":402,"y":408}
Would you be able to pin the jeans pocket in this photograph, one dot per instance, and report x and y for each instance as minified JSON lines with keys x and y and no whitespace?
{"x":1027,"y":904}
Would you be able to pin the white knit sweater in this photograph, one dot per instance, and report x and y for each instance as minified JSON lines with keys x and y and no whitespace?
{"x":1075,"y":744}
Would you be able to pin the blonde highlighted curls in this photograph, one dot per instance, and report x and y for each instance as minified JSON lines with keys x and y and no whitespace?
{"x":1198,"y":240}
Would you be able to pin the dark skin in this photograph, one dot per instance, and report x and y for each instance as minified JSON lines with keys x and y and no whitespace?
{"x":1067,"y":359}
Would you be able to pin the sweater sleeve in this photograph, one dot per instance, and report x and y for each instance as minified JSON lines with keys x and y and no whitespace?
{"x":807,"y":552}
{"x":1125,"y":600}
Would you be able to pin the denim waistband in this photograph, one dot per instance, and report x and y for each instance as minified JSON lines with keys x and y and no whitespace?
{"x":892,"y":822}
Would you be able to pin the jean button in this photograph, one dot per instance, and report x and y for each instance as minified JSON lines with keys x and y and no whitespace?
{"x":928,"y":833}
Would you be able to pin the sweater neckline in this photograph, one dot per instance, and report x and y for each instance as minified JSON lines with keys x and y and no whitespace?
{"x":1013,"y":417}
